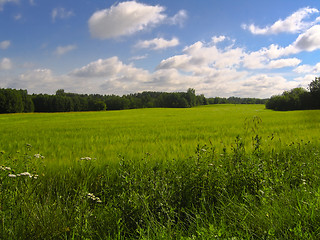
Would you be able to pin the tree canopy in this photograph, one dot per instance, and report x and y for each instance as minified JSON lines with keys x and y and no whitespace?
{"x":12,"y":101}
{"x":297,"y":98}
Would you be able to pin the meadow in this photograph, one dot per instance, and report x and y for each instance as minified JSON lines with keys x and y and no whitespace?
{"x":210,"y":172}
{"x":164,"y":133}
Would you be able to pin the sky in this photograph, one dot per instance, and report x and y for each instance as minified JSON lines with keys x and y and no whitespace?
{"x":242,"y":48}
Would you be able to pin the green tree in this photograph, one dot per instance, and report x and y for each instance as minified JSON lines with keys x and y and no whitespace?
{"x":314,"y":86}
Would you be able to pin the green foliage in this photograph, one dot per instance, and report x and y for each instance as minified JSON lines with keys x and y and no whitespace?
{"x":210,"y":195}
{"x":297,"y":98}
{"x":235,"y":100}
{"x":12,"y":101}
{"x":15,"y":101}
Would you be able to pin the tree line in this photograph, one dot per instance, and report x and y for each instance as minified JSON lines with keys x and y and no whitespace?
{"x":297,"y":98}
{"x":236,"y":100}
{"x":17,"y":101}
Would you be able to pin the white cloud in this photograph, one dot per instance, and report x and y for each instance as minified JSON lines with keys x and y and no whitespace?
{"x":129,"y":17}
{"x":179,"y":18}
{"x":305,"y":80}
{"x":110,"y":76}
{"x":218,"y":39}
{"x":5,"y":64}
{"x":3,"y":2}
{"x":5,"y":44}
{"x":61,"y":13}
{"x":158,"y":43}
{"x":200,"y":55}
{"x":110,"y":68}
{"x":310,"y":40}
{"x":259,"y":60}
{"x":264,"y":85}
{"x":99,"y":68}
{"x":123,"y":19}
{"x":307,"y":41}
{"x":61,"y":50}
{"x":308,"y":69}
{"x":293,"y":24}
{"x":285,"y":62}
{"x":41,"y":80}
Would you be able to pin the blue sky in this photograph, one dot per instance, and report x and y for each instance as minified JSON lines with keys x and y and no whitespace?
{"x":244,"y":48}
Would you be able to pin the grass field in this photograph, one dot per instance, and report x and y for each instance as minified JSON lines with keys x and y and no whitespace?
{"x":212,"y":172}
{"x":163,"y":133}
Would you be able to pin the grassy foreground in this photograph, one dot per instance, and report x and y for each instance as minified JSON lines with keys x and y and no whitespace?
{"x":247,"y":173}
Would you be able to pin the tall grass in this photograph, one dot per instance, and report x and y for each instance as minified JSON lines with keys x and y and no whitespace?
{"x":261,"y":194}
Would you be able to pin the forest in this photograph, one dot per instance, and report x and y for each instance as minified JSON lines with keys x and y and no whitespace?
{"x":18,"y":101}
{"x":297,"y":98}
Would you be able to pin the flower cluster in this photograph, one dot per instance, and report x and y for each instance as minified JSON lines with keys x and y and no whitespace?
{"x":94,"y":198}
{"x":4,"y":168}
{"x":86,"y":158}
{"x":27,"y":174}
{"x":38,"y":155}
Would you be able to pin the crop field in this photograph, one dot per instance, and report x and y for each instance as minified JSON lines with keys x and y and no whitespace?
{"x":162,"y":133}
{"x":210,"y":172}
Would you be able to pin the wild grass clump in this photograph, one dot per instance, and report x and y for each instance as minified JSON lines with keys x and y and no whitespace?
{"x":232,"y":194}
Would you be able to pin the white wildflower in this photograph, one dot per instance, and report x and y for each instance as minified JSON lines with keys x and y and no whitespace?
{"x":25,"y":174}
{"x":93,"y":198}
{"x":5,"y":168}
{"x":86,"y":158}
{"x":12,"y":175}
{"x":38,"y":155}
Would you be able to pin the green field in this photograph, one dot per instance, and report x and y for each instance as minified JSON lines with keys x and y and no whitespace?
{"x":163,"y":133}
{"x":210,"y":172}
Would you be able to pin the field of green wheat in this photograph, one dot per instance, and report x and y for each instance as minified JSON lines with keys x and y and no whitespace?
{"x":210,"y":172}
{"x":163,"y":133}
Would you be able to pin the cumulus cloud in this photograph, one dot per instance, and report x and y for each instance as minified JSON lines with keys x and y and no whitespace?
{"x":293,"y":24}
{"x":285,"y":62}
{"x":129,"y":17}
{"x":264,"y":85}
{"x":308,"y":69}
{"x":110,"y":68}
{"x":110,"y":76}
{"x":158,"y":43}
{"x":263,"y":59}
{"x":61,"y":50}
{"x":5,"y":44}
{"x":306,"y":41}
{"x":217,"y":39}
{"x":5,"y":64}
{"x":310,"y":40}
{"x":200,"y":55}
{"x":61,"y":13}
